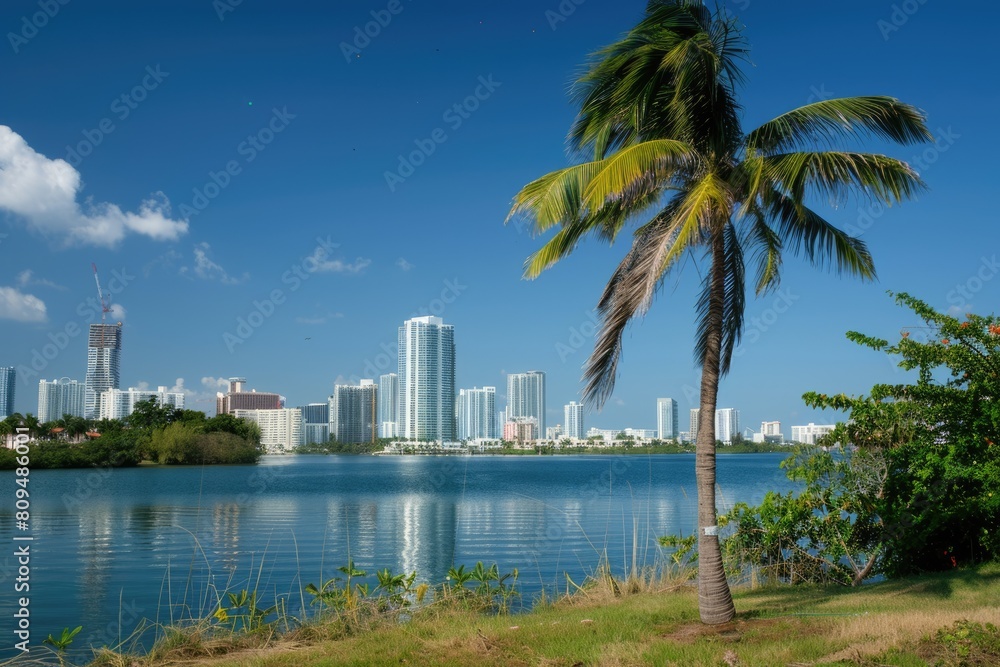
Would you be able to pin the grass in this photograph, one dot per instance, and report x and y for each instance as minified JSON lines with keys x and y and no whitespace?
{"x":945,"y":619}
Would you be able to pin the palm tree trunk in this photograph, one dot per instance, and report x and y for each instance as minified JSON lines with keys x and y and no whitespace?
{"x":715,"y":602}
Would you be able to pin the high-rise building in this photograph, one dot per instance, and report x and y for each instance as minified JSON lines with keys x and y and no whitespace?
{"x":119,"y":403}
{"x":521,"y":429}
{"x":477,"y":413}
{"x":280,"y":429}
{"x":315,"y":423}
{"x":8,"y":377}
{"x":693,"y":424}
{"x":104,"y":350}
{"x":427,"y":379}
{"x":808,"y":435}
{"x":573,"y":419}
{"x":238,"y":398}
{"x":770,"y":428}
{"x":667,"y":423}
{"x":727,"y":424}
{"x":388,"y":405}
{"x":526,"y":397}
{"x":60,"y":397}
{"x":353,"y":415}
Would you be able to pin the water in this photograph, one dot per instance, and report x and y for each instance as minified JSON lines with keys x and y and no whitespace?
{"x":114,"y":546}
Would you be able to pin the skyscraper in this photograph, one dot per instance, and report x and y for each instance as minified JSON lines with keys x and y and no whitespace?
{"x":667,"y":423}
{"x":526,"y":397}
{"x":104,"y":350}
{"x":693,"y":424}
{"x":60,"y":397}
{"x":315,"y":423}
{"x":353,"y":416}
{"x":573,"y":420}
{"x":427,"y":379}
{"x":8,"y":376}
{"x":727,"y":424}
{"x":477,"y":413}
{"x":388,"y":405}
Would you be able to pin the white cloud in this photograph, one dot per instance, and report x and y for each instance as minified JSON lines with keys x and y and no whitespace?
{"x":44,"y":193}
{"x":323,"y":264}
{"x":20,"y":307}
{"x":117,"y":312}
{"x":215,"y":383}
{"x":27,"y":277}
{"x":403,"y":264}
{"x":206,"y":269}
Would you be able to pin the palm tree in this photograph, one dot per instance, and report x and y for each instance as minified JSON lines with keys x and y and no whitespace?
{"x":660,"y":139}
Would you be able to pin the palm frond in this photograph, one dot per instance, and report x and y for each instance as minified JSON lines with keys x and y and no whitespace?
{"x":656,"y":249}
{"x":553,"y":199}
{"x":767,"y":246}
{"x":837,"y":175}
{"x":637,"y":170}
{"x":823,"y":243}
{"x":733,"y":303}
{"x":843,"y":118}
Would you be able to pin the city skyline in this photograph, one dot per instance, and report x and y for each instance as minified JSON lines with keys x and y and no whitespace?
{"x":296,"y":267}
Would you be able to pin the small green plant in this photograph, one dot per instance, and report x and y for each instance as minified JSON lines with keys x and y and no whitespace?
{"x":64,"y":640}
{"x":244,"y":614}
{"x":394,"y":589}
{"x":491,"y":588}
{"x":331,"y":594}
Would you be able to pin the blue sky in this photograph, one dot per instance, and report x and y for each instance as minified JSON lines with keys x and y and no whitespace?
{"x":210,"y":156}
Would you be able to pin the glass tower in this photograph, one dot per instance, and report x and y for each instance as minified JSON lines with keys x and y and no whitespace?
{"x":427,"y":379}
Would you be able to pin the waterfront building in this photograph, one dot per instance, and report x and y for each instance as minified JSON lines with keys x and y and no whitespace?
{"x":388,"y":405}
{"x":477,"y":414}
{"x":8,"y":385}
{"x":120,"y":403}
{"x":521,"y":430}
{"x":104,"y":350}
{"x":573,"y":418}
{"x":353,"y":412}
{"x":315,"y":423}
{"x":727,"y":424}
{"x":238,"y":398}
{"x":809,"y":434}
{"x":60,"y":397}
{"x":693,"y":424}
{"x":280,"y":428}
{"x":427,"y":379}
{"x":667,"y":423}
{"x":526,"y":397}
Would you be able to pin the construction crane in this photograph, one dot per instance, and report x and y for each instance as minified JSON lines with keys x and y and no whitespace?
{"x":105,"y":303}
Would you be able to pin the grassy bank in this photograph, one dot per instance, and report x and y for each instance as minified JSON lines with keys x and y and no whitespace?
{"x":936,"y":619}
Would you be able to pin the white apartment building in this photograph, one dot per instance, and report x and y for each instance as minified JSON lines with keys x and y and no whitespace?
{"x":60,"y":397}
{"x":280,"y":429}
{"x":809,"y":434}
{"x":573,"y":419}
{"x":120,"y":403}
